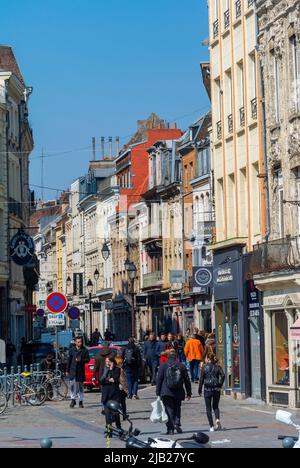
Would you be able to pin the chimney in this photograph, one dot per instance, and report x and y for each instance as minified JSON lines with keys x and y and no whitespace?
{"x":175,"y":126}
{"x":102,"y":147}
{"x":117,"y":146}
{"x":110,"y":147}
{"x":94,"y":148}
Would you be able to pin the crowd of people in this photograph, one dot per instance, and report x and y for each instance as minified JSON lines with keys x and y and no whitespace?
{"x":174,"y":364}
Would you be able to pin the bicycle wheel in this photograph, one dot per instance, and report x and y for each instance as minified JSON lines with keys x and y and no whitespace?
{"x":3,"y":402}
{"x":57,"y":390}
{"x":35,"y":394}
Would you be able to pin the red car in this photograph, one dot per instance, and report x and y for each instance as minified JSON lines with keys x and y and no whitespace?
{"x":89,"y":368}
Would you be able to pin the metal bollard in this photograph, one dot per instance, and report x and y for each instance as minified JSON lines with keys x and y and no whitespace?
{"x":46,"y":443}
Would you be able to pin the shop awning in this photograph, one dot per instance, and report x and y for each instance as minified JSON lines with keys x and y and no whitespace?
{"x":295,"y":331}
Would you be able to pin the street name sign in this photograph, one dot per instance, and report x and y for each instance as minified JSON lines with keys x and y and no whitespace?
{"x":56,"y":320}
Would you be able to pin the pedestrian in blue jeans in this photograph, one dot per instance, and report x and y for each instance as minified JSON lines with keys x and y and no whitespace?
{"x":132,"y":361}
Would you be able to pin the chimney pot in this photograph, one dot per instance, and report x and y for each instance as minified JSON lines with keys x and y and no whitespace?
{"x":175,"y":126}
{"x":94,"y":148}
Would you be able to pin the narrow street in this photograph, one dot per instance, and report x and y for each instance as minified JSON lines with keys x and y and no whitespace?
{"x":247,"y":425}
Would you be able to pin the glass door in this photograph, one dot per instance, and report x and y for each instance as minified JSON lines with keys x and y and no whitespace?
{"x":228,"y":334}
{"x":255,"y":358}
{"x":235,"y":344}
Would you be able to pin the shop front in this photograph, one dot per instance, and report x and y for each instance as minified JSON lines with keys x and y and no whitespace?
{"x":282,"y":347}
{"x":232,"y":342}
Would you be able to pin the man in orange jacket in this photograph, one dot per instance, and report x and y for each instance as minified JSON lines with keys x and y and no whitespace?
{"x":194,"y":353}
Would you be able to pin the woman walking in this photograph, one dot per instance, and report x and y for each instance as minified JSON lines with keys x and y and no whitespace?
{"x":212,"y":379}
{"x":110,"y":382}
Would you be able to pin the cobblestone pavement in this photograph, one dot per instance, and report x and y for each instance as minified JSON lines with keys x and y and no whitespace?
{"x":247,"y":424}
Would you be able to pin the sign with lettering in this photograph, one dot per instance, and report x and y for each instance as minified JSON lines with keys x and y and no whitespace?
{"x":253,"y":301}
{"x":202,"y":278}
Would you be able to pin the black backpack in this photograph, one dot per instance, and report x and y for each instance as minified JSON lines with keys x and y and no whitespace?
{"x":174,"y":378}
{"x":129,"y":357}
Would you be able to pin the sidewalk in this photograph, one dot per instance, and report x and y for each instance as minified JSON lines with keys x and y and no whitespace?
{"x":247,"y":424}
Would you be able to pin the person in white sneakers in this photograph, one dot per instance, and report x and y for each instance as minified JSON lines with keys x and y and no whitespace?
{"x":212,"y":378}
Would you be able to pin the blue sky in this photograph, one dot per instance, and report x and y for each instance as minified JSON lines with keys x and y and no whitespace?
{"x":97,"y":66}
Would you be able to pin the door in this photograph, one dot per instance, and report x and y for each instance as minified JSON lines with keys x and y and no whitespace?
{"x":255,"y":358}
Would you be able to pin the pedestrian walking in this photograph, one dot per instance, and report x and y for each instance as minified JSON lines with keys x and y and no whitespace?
{"x":132,"y":361}
{"x":151,"y":354}
{"x":173,"y":387}
{"x":212,"y":379}
{"x":194,"y":352}
{"x":179,"y":345}
{"x":110,"y":383}
{"x":123,"y":385}
{"x":78,"y":358}
{"x":162,"y":344}
{"x":200,"y":335}
{"x":96,"y":337}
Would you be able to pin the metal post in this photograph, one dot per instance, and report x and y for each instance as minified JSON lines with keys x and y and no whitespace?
{"x":133,"y":312}
{"x":56,"y":349}
{"x":91,"y":317}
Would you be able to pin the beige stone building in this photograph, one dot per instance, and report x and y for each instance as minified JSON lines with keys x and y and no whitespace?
{"x":237,"y":164}
{"x":276,"y":262}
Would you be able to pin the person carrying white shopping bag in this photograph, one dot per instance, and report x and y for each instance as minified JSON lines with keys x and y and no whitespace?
{"x":158,"y":414}
{"x":173,"y":386}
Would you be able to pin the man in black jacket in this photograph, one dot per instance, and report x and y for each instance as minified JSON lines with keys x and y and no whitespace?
{"x":78,"y":358}
{"x":173,"y":386}
{"x":132,"y":361}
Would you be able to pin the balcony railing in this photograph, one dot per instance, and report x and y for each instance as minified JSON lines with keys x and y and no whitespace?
{"x":152,"y":280}
{"x":238,"y":9}
{"x":227,"y":19}
{"x":219,"y":130}
{"x":254,"y":108}
{"x":216,"y":29}
{"x":230,"y":124}
{"x":282,"y":254}
{"x":242,"y":116}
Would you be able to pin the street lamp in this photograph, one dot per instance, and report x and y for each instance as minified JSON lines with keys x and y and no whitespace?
{"x":68,"y":283}
{"x":90,"y":288}
{"x":96,"y":275}
{"x":132,"y":273}
{"x":105,"y":252}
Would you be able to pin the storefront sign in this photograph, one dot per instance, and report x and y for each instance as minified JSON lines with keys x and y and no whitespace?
{"x":202,"y":278}
{"x":252,"y":300}
{"x":295,"y":331}
{"x":224,"y":275}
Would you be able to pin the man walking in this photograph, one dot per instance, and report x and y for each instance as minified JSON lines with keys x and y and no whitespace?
{"x":96,"y":337}
{"x":151,"y":355}
{"x":78,"y":358}
{"x":10,"y":352}
{"x":194,"y":353}
{"x":132,"y":361}
{"x":173,"y":387}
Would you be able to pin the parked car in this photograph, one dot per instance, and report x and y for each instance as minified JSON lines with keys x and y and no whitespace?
{"x":35,"y":353}
{"x":116,"y":348}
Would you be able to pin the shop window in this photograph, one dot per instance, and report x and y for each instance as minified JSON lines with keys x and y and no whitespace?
{"x":236,"y":345}
{"x":220,"y":334}
{"x":280,"y":332}
{"x":228,"y":345}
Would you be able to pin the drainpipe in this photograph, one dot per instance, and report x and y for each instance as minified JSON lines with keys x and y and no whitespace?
{"x":265,"y":159}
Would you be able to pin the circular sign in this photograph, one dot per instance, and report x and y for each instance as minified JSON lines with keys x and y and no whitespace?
{"x":22,"y":248}
{"x":56,"y":303}
{"x":40,"y":312}
{"x":74,"y":313}
{"x":203,"y":277}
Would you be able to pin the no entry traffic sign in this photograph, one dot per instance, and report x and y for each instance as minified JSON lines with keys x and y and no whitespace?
{"x":56,"y":303}
{"x":74,"y":313}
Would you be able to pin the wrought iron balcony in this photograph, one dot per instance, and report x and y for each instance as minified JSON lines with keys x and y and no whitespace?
{"x":238,"y":8}
{"x":230,"y":124}
{"x":227,"y":19}
{"x":216,"y":29}
{"x":281,"y":254}
{"x":254,"y":108}
{"x":152,"y":280}
{"x":242,"y":116}
{"x":219,"y":130}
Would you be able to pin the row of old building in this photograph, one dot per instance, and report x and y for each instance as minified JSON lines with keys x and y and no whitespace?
{"x":16,"y":144}
{"x":200,"y":228}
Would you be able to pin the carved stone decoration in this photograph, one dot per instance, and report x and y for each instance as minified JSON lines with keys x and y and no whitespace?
{"x":275,"y":155}
{"x":294,"y":144}
{"x":279,"y":38}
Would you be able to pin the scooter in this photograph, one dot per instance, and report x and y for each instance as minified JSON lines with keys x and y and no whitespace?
{"x":130,"y":437}
{"x":287,"y":418}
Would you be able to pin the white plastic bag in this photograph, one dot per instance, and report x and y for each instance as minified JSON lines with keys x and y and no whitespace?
{"x":158,"y":414}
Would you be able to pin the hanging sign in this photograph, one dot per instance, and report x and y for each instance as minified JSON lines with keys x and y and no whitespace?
{"x":22,"y":248}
